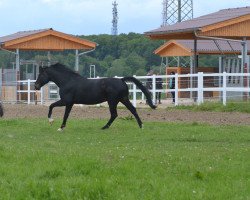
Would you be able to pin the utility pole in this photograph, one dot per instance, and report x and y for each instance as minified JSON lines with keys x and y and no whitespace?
{"x":176,"y":11}
{"x":114,"y":30}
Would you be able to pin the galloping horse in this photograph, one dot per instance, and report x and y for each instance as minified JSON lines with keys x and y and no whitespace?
{"x":1,"y":110}
{"x":75,"y":89}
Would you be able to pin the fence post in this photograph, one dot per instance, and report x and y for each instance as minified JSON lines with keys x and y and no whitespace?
{"x":224,"y":88}
{"x":98,"y":105}
{"x":142,"y":96}
{"x":134,"y":93}
{"x":200,"y":88}
{"x":176,"y":90}
{"x":154,"y":88}
{"x":42,"y":96}
{"x":28,"y":91}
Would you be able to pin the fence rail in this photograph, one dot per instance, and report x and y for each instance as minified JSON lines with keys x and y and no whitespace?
{"x":227,"y":85}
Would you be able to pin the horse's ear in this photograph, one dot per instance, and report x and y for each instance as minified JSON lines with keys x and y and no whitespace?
{"x":41,"y":69}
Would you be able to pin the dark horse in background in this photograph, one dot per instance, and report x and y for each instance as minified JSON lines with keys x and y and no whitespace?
{"x":1,"y":110}
{"x":75,"y":89}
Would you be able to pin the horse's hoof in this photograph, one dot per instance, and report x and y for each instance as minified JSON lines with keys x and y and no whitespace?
{"x":60,"y":130}
{"x":105,"y":127}
{"x":142,"y":126}
{"x":51,"y":121}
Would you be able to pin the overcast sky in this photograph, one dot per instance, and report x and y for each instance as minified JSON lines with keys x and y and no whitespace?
{"x":87,"y":17}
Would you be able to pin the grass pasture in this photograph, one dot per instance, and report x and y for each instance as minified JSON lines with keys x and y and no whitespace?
{"x":240,"y":106}
{"x":162,"y":161}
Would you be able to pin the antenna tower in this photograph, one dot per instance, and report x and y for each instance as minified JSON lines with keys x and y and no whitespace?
{"x":176,"y":11}
{"x":114,"y":30}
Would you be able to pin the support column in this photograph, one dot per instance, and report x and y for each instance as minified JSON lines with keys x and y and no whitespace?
{"x":178,"y":61}
{"x":49,"y":58}
{"x":17,"y":60}
{"x":77,"y":58}
{"x":166,"y":70}
{"x":220,"y":71}
{"x":244,"y":67}
{"x":17,"y":74}
{"x":195,"y":56}
{"x":167,"y":62}
{"x":191,"y":72}
{"x":195,"y":79}
{"x":77,"y":61}
{"x":166,"y":65}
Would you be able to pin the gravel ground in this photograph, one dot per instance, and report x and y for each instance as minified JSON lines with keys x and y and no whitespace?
{"x":146,"y":114}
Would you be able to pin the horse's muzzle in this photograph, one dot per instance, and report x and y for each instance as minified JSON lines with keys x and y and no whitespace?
{"x":37,"y":86}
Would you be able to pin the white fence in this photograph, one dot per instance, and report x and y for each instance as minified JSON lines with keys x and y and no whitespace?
{"x":224,"y":83}
{"x":222,"y":87}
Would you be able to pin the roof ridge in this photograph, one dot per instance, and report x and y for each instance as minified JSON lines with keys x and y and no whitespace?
{"x":220,"y":12}
{"x":45,"y":29}
{"x":211,"y":15}
{"x":204,"y":20}
{"x":234,"y":8}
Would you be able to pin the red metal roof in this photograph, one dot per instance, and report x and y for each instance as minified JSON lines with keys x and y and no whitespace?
{"x":210,"y":46}
{"x":206,"y":46}
{"x":23,"y":39}
{"x":199,"y":22}
{"x":21,"y":34}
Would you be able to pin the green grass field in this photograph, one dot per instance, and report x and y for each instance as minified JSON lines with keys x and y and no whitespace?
{"x":240,"y":106}
{"x":162,"y":161}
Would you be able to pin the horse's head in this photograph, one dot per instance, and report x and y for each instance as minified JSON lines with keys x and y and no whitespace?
{"x":43,"y":78}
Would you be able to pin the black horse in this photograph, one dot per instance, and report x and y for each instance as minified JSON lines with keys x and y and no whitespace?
{"x":75,"y":89}
{"x":1,"y":110}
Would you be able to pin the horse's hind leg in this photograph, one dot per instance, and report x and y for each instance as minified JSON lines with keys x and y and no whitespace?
{"x":132,"y":109}
{"x":66,"y":115}
{"x":113,"y":112}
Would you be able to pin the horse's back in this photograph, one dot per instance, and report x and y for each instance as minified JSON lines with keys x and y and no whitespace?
{"x":108,"y":85}
{"x":94,"y":91}
{"x":114,"y":85}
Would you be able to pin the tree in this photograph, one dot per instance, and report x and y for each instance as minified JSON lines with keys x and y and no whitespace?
{"x":135,"y":62}
{"x":119,"y":68}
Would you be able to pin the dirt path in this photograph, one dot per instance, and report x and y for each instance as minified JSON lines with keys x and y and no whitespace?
{"x":163,"y":115}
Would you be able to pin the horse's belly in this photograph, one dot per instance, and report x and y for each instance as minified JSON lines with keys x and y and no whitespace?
{"x":89,"y":99}
{"x":89,"y":102}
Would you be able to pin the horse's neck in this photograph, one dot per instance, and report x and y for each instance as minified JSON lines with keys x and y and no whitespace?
{"x":59,"y":78}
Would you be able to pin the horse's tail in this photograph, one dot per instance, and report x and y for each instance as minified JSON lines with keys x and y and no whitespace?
{"x":142,"y":88}
{"x":1,"y":110}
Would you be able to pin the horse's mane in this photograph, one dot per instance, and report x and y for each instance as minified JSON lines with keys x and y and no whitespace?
{"x":62,"y":68}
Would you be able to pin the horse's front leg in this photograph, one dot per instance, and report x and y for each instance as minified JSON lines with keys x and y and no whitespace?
{"x":66,"y":115}
{"x":56,"y":104}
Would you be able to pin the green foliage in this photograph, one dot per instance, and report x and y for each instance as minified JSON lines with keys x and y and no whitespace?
{"x":6,"y":59}
{"x":119,"y":68}
{"x":133,"y":51}
{"x":240,"y":106}
{"x":208,"y":60}
{"x":163,"y":160}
